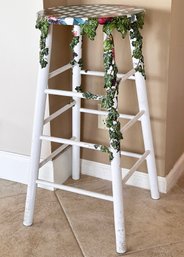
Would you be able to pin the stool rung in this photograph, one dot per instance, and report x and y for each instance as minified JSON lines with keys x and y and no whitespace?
{"x":98,"y":112}
{"x":59,"y":112}
{"x":128,"y":75}
{"x":131,"y":154}
{"x":60,"y":70}
{"x":75,"y":190}
{"x":66,"y":93}
{"x":84,"y":145}
{"x":135,"y":166}
{"x":69,"y":142}
{"x":132,"y":121}
{"x":58,"y":151}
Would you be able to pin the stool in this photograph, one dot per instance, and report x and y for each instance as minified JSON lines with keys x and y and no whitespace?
{"x":85,"y":20}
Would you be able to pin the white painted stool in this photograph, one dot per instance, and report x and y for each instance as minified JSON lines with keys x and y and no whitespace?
{"x":85,"y":19}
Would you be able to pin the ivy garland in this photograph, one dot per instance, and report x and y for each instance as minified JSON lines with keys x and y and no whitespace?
{"x":109,"y":101}
{"x":137,"y":42}
{"x":111,"y":83}
{"x":43,"y":25}
{"x":75,"y":41}
{"x":89,"y":28}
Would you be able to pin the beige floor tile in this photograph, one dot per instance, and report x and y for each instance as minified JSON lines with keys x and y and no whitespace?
{"x":180,"y":182}
{"x":9,"y":188}
{"x":153,"y":222}
{"x":171,"y":250}
{"x":50,"y":236}
{"x":149,"y":223}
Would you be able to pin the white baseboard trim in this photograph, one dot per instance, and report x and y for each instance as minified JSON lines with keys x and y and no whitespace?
{"x":175,"y":173}
{"x":15,"y":167}
{"x":103,"y":171}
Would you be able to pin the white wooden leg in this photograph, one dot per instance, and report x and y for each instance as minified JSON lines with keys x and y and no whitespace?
{"x":147,"y":134}
{"x":37,"y":132}
{"x":76,"y":82}
{"x":114,"y":137}
{"x":118,"y":203}
{"x":146,"y":129}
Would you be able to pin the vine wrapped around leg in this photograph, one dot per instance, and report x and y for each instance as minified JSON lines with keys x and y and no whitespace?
{"x":110,"y":101}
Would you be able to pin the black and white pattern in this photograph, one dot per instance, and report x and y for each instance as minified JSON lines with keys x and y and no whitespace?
{"x":78,"y":14}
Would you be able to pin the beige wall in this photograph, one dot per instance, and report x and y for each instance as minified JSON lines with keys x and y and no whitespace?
{"x":18,"y":72}
{"x":163,"y":50}
{"x":156,"y":50}
{"x":175,"y":102}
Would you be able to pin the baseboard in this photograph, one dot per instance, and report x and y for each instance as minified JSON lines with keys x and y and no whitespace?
{"x":175,"y":173}
{"x":15,"y":167}
{"x":103,"y":171}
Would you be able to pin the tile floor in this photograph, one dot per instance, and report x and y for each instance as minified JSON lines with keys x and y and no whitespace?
{"x":70,"y":225}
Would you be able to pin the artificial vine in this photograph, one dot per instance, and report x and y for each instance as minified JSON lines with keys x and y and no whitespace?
{"x":43,"y":25}
{"x":133,"y":25}
{"x":137,"y":42}
{"x":121,"y":24}
{"x":75,"y":41}
{"x":89,"y":95}
{"x":89,"y":28}
{"x":104,"y":149}
{"x":111,"y":83}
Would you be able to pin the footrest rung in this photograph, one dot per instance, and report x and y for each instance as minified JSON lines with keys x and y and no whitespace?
{"x":84,"y":144}
{"x":60,"y":70}
{"x":58,"y":151}
{"x":128,"y":75}
{"x":75,"y":190}
{"x":132,"y":121}
{"x":67,"y":93}
{"x":131,"y":154}
{"x":105,"y":113}
{"x":63,"y":93}
{"x":59,"y":112}
{"x":69,"y":142}
{"x":135,"y":166}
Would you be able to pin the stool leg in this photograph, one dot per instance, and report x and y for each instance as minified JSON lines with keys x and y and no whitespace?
{"x":118,"y":203}
{"x":146,"y":129}
{"x":76,"y":124}
{"x":147,"y":134}
{"x":113,"y":124}
{"x":37,"y":132}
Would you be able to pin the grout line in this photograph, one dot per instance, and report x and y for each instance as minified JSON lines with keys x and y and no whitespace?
{"x":128,"y":252}
{"x":153,"y":247}
{"x":69,"y":223}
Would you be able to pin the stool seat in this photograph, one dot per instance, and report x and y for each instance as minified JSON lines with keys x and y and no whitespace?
{"x":80,"y":14}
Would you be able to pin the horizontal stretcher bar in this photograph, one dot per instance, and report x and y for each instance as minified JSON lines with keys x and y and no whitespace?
{"x":128,"y":75}
{"x":59,"y":112}
{"x":60,"y":70}
{"x":132,"y":121}
{"x":75,"y":190}
{"x":68,"y":141}
{"x":66,"y":93}
{"x":58,"y":151}
{"x":136,"y":165}
{"x":83,"y":144}
{"x":105,"y":113}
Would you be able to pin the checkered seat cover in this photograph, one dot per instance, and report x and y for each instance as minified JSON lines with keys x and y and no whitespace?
{"x":79,"y":14}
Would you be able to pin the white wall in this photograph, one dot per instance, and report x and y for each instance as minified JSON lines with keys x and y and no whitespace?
{"x":18,"y":72}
